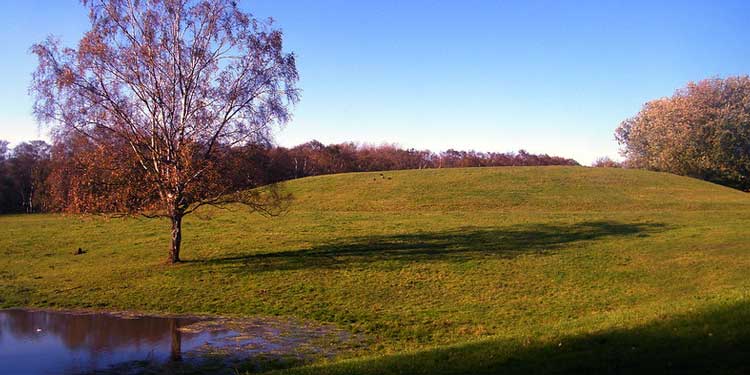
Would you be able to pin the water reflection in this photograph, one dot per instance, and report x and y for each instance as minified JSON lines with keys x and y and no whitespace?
{"x":41,"y":342}
{"x":44,"y":342}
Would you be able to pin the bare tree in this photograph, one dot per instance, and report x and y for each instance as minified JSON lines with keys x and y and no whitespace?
{"x":175,"y":80}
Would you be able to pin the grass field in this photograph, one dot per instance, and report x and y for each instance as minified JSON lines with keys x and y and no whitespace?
{"x":484,"y":270}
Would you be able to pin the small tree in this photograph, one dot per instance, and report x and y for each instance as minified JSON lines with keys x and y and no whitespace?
{"x":606,"y":162}
{"x":174,"y":81}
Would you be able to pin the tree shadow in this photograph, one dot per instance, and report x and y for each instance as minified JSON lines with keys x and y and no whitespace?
{"x":459,"y":245}
{"x":712,"y":341}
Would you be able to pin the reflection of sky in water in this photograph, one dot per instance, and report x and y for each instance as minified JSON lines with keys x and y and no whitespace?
{"x":46,"y":343}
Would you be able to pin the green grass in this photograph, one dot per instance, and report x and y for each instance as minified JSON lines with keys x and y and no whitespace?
{"x":517,"y":270}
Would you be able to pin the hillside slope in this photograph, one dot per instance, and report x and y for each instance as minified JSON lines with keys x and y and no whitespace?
{"x":415,"y":260}
{"x":512,"y":188}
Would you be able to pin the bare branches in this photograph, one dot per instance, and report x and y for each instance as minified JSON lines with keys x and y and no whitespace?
{"x":172,"y":79}
{"x":157,"y":88}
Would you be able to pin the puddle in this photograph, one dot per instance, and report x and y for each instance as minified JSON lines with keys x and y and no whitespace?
{"x":49,"y":342}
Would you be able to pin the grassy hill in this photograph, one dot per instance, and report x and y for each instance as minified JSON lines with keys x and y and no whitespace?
{"x":528,"y":269}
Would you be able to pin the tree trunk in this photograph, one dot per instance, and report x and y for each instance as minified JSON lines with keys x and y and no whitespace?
{"x":175,"y":352}
{"x":174,"y":251}
{"x":30,"y":207}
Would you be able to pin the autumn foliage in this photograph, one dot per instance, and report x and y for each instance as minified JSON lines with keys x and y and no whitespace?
{"x":702,"y":131}
{"x":69,"y":176}
{"x":157,"y":89}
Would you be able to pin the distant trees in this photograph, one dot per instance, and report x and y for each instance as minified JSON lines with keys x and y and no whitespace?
{"x":702,"y":131}
{"x":153,"y":96}
{"x":606,"y":162}
{"x":6,"y":202}
{"x":23,"y":174}
{"x":96,"y":176}
{"x":72,"y":173}
{"x":314,"y":158}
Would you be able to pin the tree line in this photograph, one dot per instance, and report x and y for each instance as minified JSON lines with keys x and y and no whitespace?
{"x":67,"y":175}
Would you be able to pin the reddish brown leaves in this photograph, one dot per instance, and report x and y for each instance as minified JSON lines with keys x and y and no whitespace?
{"x":151,"y":94}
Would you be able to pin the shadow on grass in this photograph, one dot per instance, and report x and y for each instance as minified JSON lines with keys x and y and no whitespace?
{"x":457,"y":245}
{"x":714,"y":341}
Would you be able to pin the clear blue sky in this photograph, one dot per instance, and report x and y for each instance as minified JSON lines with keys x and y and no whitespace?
{"x":547,"y":76}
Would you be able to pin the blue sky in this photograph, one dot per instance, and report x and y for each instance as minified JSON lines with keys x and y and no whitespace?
{"x":548,"y":76}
